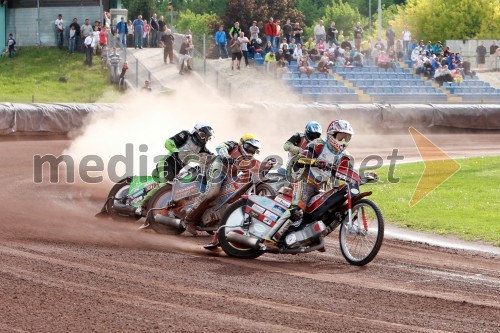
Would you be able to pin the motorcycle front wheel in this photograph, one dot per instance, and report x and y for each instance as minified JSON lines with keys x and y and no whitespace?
{"x":361,"y":242}
{"x":265,"y":190}
{"x":118,"y":192}
{"x":234,"y":217}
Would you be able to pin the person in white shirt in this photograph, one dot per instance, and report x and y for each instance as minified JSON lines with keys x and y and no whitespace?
{"x":406,"y":39}
{"x":297,"y":53}
{"x":89,"y":45}
{"x":244,"y":46}
{"x":59,"y":26}
{"x":319,"y":31}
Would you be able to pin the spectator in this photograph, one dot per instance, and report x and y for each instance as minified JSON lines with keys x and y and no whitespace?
{"x":221,"y":41}
{"x":340,"y":36}
{"x":286,"y":53}
{"x":429,"y":50}
{"x":415,"y":54}
{"x":457,"y":76}
{"x":256,"y":47}
{"x":244,"y":46}
{"x":418,"y":65}
{"x":235,"y":47}
{"x":384,"y":61}
{"x":161,"y":26}
{"x":304,"y":65}
{"x":153,"y":23}
{"x":292,"y":46}
{"x":287,"y":31}
{"x":321,"y":47}
{"x":323,"y":66}
{"x":95,"y":35}
{"x":428,"y":68}
{"x":107,"y":19}
{"x":145,"y":33}
{"x":297,"y":53}
{"x":184,"y":56}
{"x":390,"y":35}
{"x":366,"y":47}
{"x":254,"y":31}
{"x":438,"y":48}
{"x":314,"y":54}
{"x":71,"y":40}
{"x":494,"y":58}
{"x":270,"y":61}
{"x":11,"y":44}
{"x":167,"y":42}
{"x":331,"y":35}
{"x":277,"y":37}
{"x":89,"y":45}
{"x":310,"y":44}
{"x":147,"y":84}
{"x":270,"y":30}
{"x":138,"y":28}
{"x":122,"y":31}
{"x":413,"y":45}
{"x":345,"y":43}
{"x":358,"y":35}
{"x":59,"y":25}
{"x":481,"y":55}
{"x":377,"y":50}
{"x":121,"y":81}
{"x":319,"y":31}
{"x":77,"y":34}
{"x":283,"y":43}
{"x":398,"y":48}
{"x":130,"y":34}
{"x":103,"y":38}
{"x":235,"y":29}
{"x":114,"y":62}
{"x":406,"y":35}
{"x":268,"y":48}
{"x":86,"y":30}
{"x":379,"y":43}
{"x":297,"y":33}
{"x":493,"y":48}
{"x":442,"y":75}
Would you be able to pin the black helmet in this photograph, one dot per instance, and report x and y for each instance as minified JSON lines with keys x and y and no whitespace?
{"x":202,"y":133}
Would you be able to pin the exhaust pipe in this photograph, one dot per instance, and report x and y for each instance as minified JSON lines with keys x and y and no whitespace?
{"x":168,"y":221}
{"x":124,"y":209}
{"x":243,"y":240}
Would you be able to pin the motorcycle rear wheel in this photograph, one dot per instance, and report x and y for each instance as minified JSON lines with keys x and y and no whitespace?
{"x":360,"y":244}
{"x":234,"y":216}
{"x":159,"y":200}
{"x":120,"y":190}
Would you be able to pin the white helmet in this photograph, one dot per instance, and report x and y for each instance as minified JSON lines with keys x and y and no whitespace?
{"x":202,"y":132}
{"x":336,"y":141}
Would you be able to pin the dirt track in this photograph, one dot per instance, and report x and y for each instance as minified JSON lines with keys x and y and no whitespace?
{"x":63,"y":270}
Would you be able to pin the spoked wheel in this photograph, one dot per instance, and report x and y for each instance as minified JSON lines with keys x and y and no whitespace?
{"x":234,"y":217}
{"x":118,"y":192}
{"x":160,"y":200}
{"x":265,"y":190}
{"x":361,"y":242}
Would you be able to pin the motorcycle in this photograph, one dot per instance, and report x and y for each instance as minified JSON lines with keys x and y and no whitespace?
{"x":168,"y":207}
{"x":250,"y":221}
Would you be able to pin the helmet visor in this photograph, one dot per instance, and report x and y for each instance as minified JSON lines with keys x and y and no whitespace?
{"x":205,"y":135}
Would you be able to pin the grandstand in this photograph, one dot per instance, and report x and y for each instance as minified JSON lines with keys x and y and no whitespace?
{"x":373,"y":84}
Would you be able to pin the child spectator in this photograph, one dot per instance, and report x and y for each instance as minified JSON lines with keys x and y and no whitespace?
{"x":11,"y":45}
{"x":121,"y":82}
{"x":457,"y":76}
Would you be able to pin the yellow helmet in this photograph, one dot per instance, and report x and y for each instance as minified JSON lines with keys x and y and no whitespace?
{"x":249,"y":144}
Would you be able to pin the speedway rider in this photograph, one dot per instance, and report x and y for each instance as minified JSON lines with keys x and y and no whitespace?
{"x":179,"y":148}
{"x":326,"y":153}
{"x":299,"y":140}
{"x":223,"y":166}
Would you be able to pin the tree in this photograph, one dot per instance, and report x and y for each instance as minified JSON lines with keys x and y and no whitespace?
{"x":246,"y":11}
{"x":199,"y":24}
{"x":344,"y":16}
{"x":451,"y":19}
{"x":313,"y":10}
{"x":146,"y":8}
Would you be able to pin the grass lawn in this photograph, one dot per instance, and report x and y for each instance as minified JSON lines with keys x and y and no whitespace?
{"x":34,"y":75}
{"x":467,"y":205}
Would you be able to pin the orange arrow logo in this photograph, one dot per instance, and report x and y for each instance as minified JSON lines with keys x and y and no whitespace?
{"x":438,"y":166}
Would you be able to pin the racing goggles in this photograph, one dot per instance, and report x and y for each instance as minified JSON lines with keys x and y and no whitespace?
{"x":250,"y":149}
{"x":342,"y":137}
{"x":204,"y":136}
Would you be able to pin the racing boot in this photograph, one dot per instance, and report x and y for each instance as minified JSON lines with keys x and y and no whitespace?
{"x":293,"y":215}
{"x":214,"y":243}
{"x":141,"y":211}
{"x":194,"y":215}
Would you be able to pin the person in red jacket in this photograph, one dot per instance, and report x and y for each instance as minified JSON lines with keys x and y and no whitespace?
{"x":270,"y":30}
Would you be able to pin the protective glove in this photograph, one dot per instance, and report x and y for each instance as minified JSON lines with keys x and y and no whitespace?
{"x":321,"y":164}
{"x":295,"y":150}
